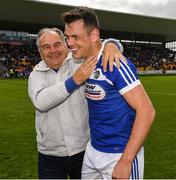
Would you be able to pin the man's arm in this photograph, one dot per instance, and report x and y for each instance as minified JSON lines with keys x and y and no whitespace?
{"x":140,"y":102}
{"x":46,"y":97}
{"x":112,"y":53}
{"x":43,"y":96}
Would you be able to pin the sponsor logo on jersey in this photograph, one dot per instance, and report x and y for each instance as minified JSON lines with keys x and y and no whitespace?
{"x":94,"y":92}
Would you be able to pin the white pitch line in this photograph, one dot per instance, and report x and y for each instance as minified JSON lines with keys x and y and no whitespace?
{"x":165,"y":94}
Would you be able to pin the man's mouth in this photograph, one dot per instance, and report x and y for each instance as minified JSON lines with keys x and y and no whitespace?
{"x":54,"y":56}
{"x":73,"y":49}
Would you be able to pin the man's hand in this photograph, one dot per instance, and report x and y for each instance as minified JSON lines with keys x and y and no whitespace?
{"x":111,"y":54}
{"x":85,"y":70}
{"x":122,"y":169}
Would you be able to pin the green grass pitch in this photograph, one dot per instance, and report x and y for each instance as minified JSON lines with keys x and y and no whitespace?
{"x":18,"y":153}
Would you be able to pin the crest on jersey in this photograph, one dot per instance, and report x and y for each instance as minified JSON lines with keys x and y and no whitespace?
{"x":96,"y":74}
{"x":99,"y":76}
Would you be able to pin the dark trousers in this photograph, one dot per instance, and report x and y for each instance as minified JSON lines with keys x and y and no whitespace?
{"x":52,"y":167}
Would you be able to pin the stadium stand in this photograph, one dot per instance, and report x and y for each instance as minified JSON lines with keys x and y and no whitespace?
{"x":18,"y":53}
{"x":17,"y":61}
{"x":148,"y":57}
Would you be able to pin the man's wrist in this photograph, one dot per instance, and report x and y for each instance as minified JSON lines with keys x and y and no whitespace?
{"x":71,"y":85}
{"x":116,"y":42}
{"x":126,"y":159}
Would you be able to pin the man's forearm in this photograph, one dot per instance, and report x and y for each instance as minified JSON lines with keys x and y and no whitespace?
{"x":46,"y":98}
{"x":139,"y":133}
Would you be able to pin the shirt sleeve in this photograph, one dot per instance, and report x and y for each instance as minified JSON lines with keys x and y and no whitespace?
{"x":70,"y":85}
{"x":44,"y":96}
{"x":125,"y":78}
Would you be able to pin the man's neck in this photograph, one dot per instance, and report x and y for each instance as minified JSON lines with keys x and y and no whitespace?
{"x":95,"y":49}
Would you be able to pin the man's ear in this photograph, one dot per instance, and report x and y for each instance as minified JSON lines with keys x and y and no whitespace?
{"x":39,"y":50}
{"x":95,"y":35}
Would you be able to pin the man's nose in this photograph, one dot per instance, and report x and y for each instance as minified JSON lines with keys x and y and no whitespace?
{"x":52,"y":49}
{"x":70,"y":42}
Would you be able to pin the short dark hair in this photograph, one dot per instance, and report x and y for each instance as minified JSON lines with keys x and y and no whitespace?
{"x":88,"y":16}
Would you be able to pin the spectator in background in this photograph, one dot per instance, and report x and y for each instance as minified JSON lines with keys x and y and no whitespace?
{"x":61,"y":112}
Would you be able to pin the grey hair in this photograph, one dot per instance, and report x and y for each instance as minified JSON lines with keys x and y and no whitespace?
{"x":43,"y":30}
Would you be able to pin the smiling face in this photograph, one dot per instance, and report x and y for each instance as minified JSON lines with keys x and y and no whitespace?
{"x":53,"y":49}
{"x":79,"y":39}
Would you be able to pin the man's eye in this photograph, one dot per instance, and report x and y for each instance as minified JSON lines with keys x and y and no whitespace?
{"x":76,"y":38}
{"x":57,"y":45}
{"x":45,"y":47}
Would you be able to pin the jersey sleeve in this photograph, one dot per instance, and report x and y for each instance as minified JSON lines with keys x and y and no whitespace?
{"x":126,"y":77}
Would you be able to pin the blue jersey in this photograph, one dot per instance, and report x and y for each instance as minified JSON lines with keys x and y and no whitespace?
{"x":110,"y":117}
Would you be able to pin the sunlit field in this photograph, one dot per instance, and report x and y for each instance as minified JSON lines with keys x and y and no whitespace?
{"x":18,"y":153}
